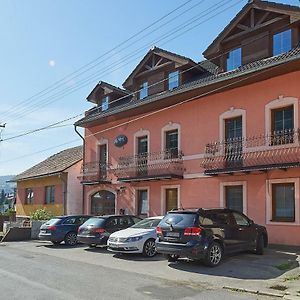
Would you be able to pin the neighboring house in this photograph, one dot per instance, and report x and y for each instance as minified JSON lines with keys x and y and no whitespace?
{"x":222,"y":132}
{"x":52,"y":184}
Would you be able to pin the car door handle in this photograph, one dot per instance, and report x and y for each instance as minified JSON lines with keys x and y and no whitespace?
{"x":241,"y":229}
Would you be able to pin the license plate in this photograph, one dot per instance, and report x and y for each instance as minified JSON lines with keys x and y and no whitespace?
{"x":172,"y":234}
{"x":113,"y":245}
{"x":43,"y":231}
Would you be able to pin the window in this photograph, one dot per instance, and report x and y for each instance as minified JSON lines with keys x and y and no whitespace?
{"x":142,"y":196}
{"x":143,"y":90}
{"x":50,"y":194}
{"x":234,"y":59}
{"x":240,"y":219}
{"x":283,"y":202}
{"x":171,"y":199}
{"x":282,"y":125}
{"x":103,"y":161}
{"x":173,"y":80}
{"x":29,"y":196}
{"x":234,"y":197}
{"x":171,"y":143}
{"x":104,"y":103}
{"x":125,"y":222}
{"x":215,"y":218}
{"x":282,"y":42}
{"x":71,"y":221}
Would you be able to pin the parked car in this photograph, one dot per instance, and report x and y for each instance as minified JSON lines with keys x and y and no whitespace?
{"x":139,"y":238}
{"x":62,"y":228}
{"x":208,"y":234}
{"x":97,"y":230}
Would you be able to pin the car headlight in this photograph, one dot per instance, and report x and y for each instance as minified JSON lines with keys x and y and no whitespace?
{"x":134,"y":238}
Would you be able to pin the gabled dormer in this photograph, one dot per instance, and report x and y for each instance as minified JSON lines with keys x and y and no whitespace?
{"x":106,"y":95}
{"x":261,"y":29}
{"x":159,"y":71}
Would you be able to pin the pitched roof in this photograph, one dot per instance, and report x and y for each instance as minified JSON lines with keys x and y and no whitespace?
{"x":54,"y":164}
{"x":204,"y":81}
{"x":164,"y":53}
{"x":293,"y":11}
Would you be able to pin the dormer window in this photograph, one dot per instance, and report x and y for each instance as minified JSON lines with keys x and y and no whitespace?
{"x":282,"y":42}
{"x":234,"y":59}
{"x":143,"y":90}
{"x":104,"y":103}
{"x":173,"y":80}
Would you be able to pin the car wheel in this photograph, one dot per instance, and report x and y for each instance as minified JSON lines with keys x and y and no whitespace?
{"x":260,"y":243}
{"x":55,"y":242}
{"x":71,"y":239}
{"x":214,"y":255}
{"x":172,"y":257}
{"x":149,"y":248}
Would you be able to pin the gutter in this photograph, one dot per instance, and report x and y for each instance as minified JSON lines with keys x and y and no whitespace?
{"x":83,"y":161}
{"x":65,"y":190}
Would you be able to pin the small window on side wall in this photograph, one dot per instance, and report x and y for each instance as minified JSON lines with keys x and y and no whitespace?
{"x":29,"y":196}
{"x":50,"y":194}
{"x":234,"y":59}
{"x":173,"y":80}
{"x":171,"y":140}
{"x":105,"y":103}
{"x":143,"y":93}
{"x":282,"y":42}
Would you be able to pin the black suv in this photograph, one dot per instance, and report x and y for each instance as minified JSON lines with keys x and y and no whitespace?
{"x":97,"y":230}
{"x":207,"y":234}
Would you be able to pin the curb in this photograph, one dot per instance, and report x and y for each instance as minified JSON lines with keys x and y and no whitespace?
{"x":257,"y":292}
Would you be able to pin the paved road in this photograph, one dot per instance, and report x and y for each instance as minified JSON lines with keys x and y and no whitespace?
{"x":30,"y":271}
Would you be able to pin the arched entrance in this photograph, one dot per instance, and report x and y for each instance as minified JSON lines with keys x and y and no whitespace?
{"x":103,"y":203}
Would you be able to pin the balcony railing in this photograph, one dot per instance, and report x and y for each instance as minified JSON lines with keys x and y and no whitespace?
{"x":167,"y":164}
{"x":95,"y":172}
{"x":254,"y":153}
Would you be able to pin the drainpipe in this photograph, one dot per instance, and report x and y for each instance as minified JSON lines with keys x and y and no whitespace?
{"x":65,"y":191}
{"x":83,"y":161}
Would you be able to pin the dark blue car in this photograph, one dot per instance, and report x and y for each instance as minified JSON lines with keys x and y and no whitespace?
{"x":62,"y":228}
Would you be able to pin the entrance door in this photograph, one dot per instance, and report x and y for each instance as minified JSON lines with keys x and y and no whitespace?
{"x":103,"y":203}
{"x":142,"y":157}
{"x":103,"y":161}
{"x":171,"y":199}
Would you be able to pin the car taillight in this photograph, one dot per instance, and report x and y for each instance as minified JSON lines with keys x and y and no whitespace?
{"x":192,"y":231}
{"x":52,"y":227}
{"x":98,"y":230}
{"x":158,"y":230}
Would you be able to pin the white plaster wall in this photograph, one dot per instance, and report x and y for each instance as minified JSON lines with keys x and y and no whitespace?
{"x":74,"y":190}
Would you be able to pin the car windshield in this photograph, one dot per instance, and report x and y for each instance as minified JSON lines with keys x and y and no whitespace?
{"x":95,"y":222}
{"x":179,"y":219}
{"x":53,"y":221}
{"x":147,"y":224}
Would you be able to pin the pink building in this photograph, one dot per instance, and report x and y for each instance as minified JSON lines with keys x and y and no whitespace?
{"x":220,"y":133}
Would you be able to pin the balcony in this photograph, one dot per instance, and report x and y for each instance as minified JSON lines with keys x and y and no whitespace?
{"x":279,"y":150}
{"x":95,"y":173}
{"x":165,"y":165}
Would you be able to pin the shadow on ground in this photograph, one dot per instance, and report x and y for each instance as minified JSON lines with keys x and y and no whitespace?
{"x":138,"y":257}
{"x":272,"y":264}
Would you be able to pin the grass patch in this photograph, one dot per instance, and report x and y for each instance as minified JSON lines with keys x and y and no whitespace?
{"x":279,"y":287}
{"x":285,"y":266}
{"x":292,"y":278}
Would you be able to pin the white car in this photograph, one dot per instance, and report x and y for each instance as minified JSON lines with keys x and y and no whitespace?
{"x":139,"y":238}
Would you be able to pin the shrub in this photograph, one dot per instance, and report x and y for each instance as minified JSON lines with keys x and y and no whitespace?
{"x":41,"y":214}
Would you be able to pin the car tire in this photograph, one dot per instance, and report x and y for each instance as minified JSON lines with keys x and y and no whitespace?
{"x":56,"y":242}
{"x":214,"y":255}
{"x":260,"y":245}
{"x":172,"y":257}
{"x":149,"y":249}
{"x":71,"y":239}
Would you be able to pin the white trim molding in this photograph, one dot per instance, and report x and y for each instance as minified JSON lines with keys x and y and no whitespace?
{"x":222,"y":193}
{"x":229,"y":114}
{"x":269,"y":201}
{"x":170,"y":126}
{"x":136,"y":189}
{"x":163,"y":189}
{"x":280,"y":102}
{"x":140,"y":133}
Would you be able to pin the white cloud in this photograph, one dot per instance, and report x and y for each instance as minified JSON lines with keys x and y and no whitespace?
{"x":52,"y":63}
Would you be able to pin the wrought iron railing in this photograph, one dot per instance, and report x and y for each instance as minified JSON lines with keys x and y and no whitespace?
{"x":277,"y":148}
{"x":168,"y":162}
{"x":95,"y":171}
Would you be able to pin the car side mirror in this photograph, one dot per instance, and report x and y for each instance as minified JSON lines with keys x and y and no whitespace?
{"x":251,"y":222}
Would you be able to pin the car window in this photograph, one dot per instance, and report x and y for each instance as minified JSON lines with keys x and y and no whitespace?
{"x":99,"y":222}
{"x":135,"y":220}
{"x":215,"y":218}
{"x":179,"y":219}
{"x":125,"y":221}
{"x":81,"y":220}
{"x":70,"y":221}
{"x":112,"y":222}
{"x":147,"y":224}
{"x":240,"y":219}
{"x":52,"y":222}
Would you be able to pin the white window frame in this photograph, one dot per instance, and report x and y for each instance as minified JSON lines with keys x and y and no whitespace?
{"x":163,"y":197}
{"x":269,"y":201}
{"x":169,"y":127}
{"x":136,"y":198}
{"x":140,"y":133}
{"x":233,"y":183}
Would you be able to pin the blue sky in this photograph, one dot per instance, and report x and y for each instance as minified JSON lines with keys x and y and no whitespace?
{"x":43,"y":41}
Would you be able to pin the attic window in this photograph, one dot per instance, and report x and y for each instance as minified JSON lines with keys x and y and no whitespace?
{"x":282,"y":42}
{"x":143,"y":90}
{"x":234,"y":59}
{"x":173,"y":80}
{"x":104,"y":103}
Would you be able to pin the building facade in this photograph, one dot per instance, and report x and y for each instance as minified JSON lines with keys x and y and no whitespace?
{"x":52,"y":184}
{"x":220,"y":133}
